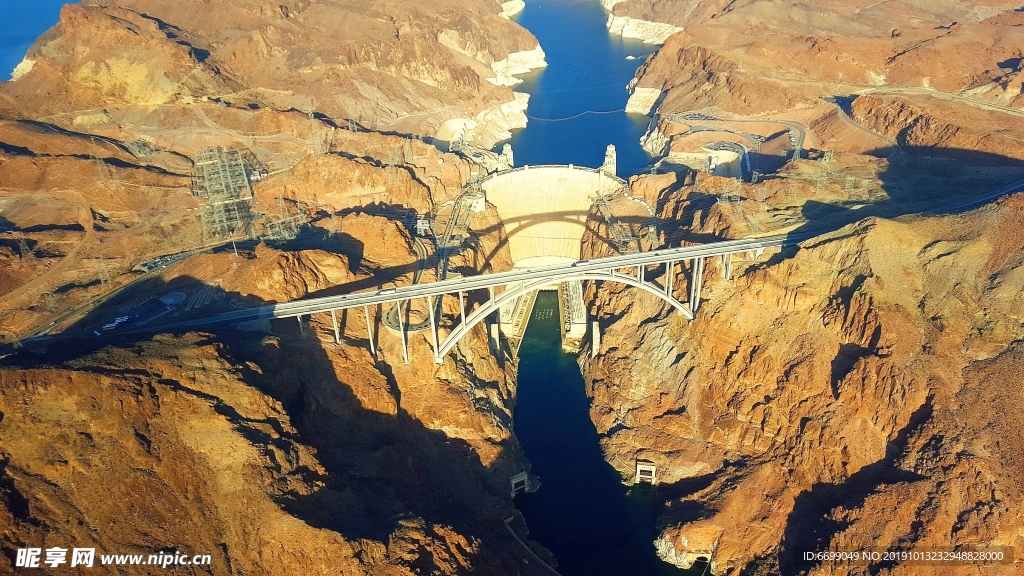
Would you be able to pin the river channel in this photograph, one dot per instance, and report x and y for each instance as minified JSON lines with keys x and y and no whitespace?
{"x":583,"y":513}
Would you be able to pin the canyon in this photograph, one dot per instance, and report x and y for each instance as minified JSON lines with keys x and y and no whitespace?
{"x":856,"y":391}
{"x":824,"y":400}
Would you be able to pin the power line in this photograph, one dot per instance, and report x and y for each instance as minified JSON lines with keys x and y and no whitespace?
{"x":584,"y":113}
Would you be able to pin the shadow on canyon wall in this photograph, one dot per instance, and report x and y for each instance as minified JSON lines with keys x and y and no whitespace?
{"x":382,"y":470}
{"x":812,"y":525}
{"x":922,"y":180}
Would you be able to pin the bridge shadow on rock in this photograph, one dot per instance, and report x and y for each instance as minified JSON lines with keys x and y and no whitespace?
{"x":590,"y":221}
{"x":923,"y":180}
{"x":386,"y":476}
{"x":811,"y":524}
{"x":316,"y":238}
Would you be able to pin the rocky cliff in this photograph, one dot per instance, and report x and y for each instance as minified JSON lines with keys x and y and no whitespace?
{"x":824,"y":398}
{"x":853,"y":392}
{"x":398,"y":67}
{"x":274,"y":448}
{"x":276,"y":453}
{"x":757,"y":58}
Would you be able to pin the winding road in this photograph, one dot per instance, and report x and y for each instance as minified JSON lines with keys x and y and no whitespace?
{"x":796,"y":130}
{"x":945,"y":96}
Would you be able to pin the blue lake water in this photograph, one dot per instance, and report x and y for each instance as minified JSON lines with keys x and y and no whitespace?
{"x":587,"y":72}
{"x":21,"y":23}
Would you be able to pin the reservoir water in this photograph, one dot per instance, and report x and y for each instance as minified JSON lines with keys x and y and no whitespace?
{"x":576,"y":102}
{"x":20,"y":24}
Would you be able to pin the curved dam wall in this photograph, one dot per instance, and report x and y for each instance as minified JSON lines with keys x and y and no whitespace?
{"x":544,"y":209}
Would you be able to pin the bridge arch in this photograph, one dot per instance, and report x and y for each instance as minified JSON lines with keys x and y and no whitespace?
{"x":513,"y":291}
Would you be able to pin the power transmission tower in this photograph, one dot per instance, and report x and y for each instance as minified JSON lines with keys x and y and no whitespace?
{"x":23,"y":251}
{"x":104,"y":274}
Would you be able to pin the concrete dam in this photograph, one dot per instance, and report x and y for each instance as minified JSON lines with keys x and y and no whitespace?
{"x":544,"y":210}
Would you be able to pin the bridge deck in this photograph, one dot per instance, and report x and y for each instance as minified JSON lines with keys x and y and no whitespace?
{"x":554,"y":273}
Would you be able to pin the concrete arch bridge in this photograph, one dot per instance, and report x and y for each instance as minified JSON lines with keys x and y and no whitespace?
{"x":653,"y":272}
{"x":544,"y":210}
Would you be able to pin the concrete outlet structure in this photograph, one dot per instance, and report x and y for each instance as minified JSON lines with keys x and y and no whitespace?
{"x":646,"y":473}
{"x":519,"y":483}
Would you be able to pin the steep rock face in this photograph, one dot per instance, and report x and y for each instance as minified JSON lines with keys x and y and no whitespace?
{"x":209,"y":487}
{"x":930,"y":124}
{"x":820,"y":399}
{"x":695,"y":77}
{"x":780,"y":55}
{"x":288,"y":275}
{"x":95,"y":57}
{"x":273,"y":453}
{"x":285,"y":56}
{"x":341,"y":183}
{"x":226,"y":473}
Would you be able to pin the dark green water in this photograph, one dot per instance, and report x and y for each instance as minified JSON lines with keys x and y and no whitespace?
{"x":594,"y":525}
{"x":587,"y":71}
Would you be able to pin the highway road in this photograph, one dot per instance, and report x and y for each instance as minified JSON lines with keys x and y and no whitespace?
{"x":851,"y":122}
{"x":391,"y":317}
{"x":945,"y":96}
{"x":1010,"y":188}
{"x":486,"y":281}
{"x":80,"y":311}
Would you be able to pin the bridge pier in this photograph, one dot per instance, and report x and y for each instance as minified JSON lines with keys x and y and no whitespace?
{"x":462,"y":307}
{"x":369,"y":330}
{"x":337,"y":332}
{"x":302,"y":329}
{"x":433,"y":328}
{"x":696,"y":277}
{"x":670,"y":274}
{"x":401,"y":330}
